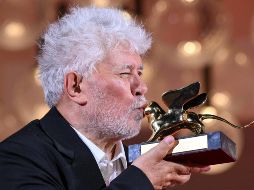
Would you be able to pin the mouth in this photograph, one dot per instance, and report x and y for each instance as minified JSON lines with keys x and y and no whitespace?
{"x":142,"y":108}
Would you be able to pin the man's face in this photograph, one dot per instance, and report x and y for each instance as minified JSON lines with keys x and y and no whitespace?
{"x":115,"y":96}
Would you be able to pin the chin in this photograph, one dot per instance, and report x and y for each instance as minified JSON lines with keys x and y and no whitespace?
{"x":131,"y":133}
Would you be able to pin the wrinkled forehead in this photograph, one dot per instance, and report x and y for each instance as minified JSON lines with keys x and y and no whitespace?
{"x":120,"y":58}
{"x":125,"y":58}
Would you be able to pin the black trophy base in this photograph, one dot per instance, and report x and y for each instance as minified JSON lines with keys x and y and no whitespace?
{"x":206,"y":149}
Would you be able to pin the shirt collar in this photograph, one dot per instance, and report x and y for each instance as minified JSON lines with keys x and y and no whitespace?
{"x":120,"y":154}
{"x":99,"y":155}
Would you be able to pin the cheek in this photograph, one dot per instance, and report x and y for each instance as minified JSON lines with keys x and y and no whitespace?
{"x":119,"y":89}
{"x":112,"y":89}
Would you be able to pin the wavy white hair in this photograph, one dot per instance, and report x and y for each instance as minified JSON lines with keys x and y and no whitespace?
{"x":80,"y":40}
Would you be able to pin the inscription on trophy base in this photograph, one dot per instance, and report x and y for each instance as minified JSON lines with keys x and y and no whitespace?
{"x":206,"y":149}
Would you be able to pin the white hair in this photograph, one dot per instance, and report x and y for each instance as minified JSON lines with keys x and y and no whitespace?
{"x":80,"y":40}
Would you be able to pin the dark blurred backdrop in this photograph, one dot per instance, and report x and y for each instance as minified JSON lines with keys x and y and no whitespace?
{"x":211,"y":41}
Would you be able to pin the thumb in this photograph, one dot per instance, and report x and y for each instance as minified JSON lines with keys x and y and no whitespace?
{"x":165,"y":147}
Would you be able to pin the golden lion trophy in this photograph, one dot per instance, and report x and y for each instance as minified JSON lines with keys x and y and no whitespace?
{"x":201,"y":148}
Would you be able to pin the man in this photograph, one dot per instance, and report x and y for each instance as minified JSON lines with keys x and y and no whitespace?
{"x":90,"y":68}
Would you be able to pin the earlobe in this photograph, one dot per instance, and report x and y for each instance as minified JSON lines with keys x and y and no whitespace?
{"x":73,"y":88}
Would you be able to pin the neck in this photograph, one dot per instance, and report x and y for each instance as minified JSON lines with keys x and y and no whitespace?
{"x":105,"y":144}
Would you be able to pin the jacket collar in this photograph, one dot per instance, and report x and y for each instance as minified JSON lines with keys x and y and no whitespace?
{"x":85,"y":169}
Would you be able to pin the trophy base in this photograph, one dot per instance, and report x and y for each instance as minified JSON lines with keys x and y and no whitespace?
{"x":206,"y":149}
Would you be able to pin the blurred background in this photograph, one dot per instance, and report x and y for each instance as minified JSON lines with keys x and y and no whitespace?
{"x":211,"y":41}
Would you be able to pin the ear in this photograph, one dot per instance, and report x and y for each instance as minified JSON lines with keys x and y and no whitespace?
{"x":73,"y":88}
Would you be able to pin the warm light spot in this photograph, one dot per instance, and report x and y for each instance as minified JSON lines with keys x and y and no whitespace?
{"x":190,"y":18}
{"x":241,"y":58}
{"x":14,"y":30}
{"x":221,"y":55}
{"x":189,"y":1}
{"x":148,"y":71}
{"x":41,"y":110}
{"x":208,"y":110}
{"x":101,"y":3}
{"x":36,"y":76}
{"x":220,"y":99}
{"x":161,"y":6}
{"x":189,"y":48}
{"x":126,"y":15}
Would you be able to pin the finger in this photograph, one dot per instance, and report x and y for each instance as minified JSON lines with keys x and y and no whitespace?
{"x":162,"y":149}
{"x":178,"y":168}
{"x":158,"y":187}
{"x":169,"y":185}
{"x":174,"y":178}
{"x":200,"y":169}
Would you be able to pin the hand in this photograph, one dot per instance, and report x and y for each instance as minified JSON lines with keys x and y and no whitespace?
{"x":162,"y":173}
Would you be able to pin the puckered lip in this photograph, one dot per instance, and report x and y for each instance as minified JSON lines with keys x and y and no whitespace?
{"x":143,"y":107}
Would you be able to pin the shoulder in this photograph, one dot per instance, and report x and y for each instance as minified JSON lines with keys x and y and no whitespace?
{"x":30,"y":135}
{"x":29,"y":155}
{"x":29,"y":143}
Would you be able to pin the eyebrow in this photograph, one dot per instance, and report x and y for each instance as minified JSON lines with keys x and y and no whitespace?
{"x":131,"y":67}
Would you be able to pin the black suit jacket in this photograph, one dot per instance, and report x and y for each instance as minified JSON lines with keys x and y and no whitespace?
{"x":47,"y":154}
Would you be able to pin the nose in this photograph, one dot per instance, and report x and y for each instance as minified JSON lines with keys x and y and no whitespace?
{"x":138,"y":87}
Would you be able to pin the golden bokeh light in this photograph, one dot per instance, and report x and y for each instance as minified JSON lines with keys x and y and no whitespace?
{"x":221,"y":99}
{"x":101,"y":3}
{"x":36,"y":76}
{"x":221,"y":55}
{"x":14,"y":30}
{"x":189,"y":1}
{"x":241,"y":58}
{"x":161,"y":6}
{"x":189,"y":48}
{"x":126,"y":14}
{"x":208,"y":110}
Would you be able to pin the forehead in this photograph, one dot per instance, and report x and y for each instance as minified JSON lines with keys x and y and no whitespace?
{"x":120,"y":59}
{"x":125,"y":59}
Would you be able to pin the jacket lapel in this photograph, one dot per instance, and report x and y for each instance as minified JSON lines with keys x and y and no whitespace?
{"x":86,"y":173}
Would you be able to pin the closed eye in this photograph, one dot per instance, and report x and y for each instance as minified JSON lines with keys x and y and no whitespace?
{"x":125,"y":74}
